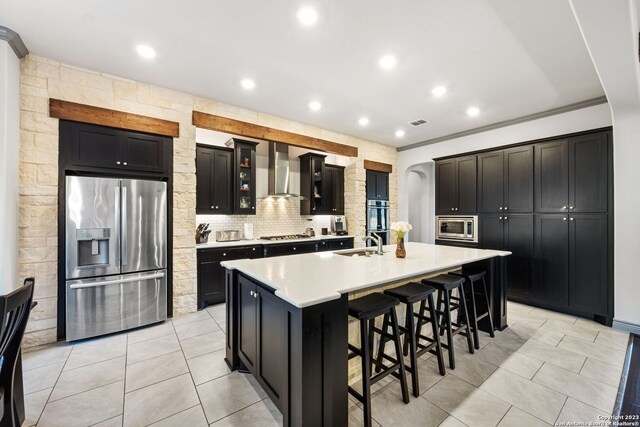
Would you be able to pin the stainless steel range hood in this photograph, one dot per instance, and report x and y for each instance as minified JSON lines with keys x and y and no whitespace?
{"x":279,"y":171}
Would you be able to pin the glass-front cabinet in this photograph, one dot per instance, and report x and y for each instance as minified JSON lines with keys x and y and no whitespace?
{"x":245,"y":177}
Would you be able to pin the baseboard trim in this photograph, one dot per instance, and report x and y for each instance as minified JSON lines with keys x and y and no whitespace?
{"x":626,"y":326}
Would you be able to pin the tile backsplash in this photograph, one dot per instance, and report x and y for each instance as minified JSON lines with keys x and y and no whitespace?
{"x":274,"y":216}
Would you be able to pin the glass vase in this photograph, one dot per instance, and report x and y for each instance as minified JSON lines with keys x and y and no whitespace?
{"x":400,"y":250}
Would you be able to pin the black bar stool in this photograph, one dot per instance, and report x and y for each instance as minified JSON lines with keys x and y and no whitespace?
{"x":471,"y":277}
{"x":366,"y":309}
{"x":410,"y":294}
{"x":446,"y":284}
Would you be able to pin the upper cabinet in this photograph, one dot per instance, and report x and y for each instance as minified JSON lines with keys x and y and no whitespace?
{"x":245,"y":177}
{"x":456,"y":186}
{"x":214,"y":173}
{"x":101,"y":148}
{"x":573,"y":175}
{"x":377,"y":185}
{"x":505,"y":180}
{"x":334,"y":188}
{"x":321,"y":186}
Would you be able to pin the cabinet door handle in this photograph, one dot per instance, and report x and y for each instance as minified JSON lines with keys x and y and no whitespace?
{"x":570,"y":219}
{"x":564,"y":218}
{"x":500,"y":208}
{"x":255,"y":294}
{"x":252,"y":207}
{"x":295,"y":248}
{"x":224,"y":254}
{"x":212,"y":207}
{"x":125,"y":163}
{"x":251,"y":293}
{"x":117,"y":163}
{"x":254,"y":249}
{"x":564,"y":208}
{"x":505,"y":208}
{"x":216,"y":207}
{"x":570,"y":207}
{"x":500,"y":218}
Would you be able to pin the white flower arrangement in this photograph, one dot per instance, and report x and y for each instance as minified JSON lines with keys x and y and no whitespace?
{"x":401,"y":228}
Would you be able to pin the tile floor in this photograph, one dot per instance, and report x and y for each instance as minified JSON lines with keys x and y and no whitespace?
{"x":546,"y":367}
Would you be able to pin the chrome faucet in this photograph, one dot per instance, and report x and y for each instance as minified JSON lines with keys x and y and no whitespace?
{"x":377,"y":239}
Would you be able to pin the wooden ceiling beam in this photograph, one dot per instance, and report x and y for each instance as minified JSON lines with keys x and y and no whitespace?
{"x":102,"y":116}
{"x":377,"y":166}
{"x":240,"y":128}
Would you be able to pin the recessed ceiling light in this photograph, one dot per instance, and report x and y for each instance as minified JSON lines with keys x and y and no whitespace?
{"x":315,"y":105}
{"x":363,"y":121}
{"x":473,"y":111}
{"x":247,"y":84}
{"x":147,"y":52}
{"x":439,"y":90}
{"x":399,"y":133}
{"x":387,"y":62}
{"x":307,"y":15}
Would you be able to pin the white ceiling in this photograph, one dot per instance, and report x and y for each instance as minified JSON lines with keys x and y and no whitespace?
{"x":510,"y":58}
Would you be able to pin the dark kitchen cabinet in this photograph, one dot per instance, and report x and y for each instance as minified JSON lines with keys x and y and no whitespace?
{"x":551,"y":204}
{"x":244,"y":182}
{"x":321,"y":185}
{"x":505,"y":180}
{"x":589,"y":173}
{"x":334,"y":188}
{"x":262,"y":336}
{"x":514,"y":233}
{"x":456,"y":186}
{"x":588,"y":262}
{"x":377,"y":185}
{"x":144,"y":152}
{"x":102,"y":148}
{"x":211,"y":275}
{"x":573,"y":175}
{"x":491,"y":181}
{"x":248,"y":323}
{"x":552,"y":259}
{"x":551,"y":160}
{"x":282,"y":249}
{"x":214,"y":174}
{"x":314,"y":201}
{"x":335,"y":244}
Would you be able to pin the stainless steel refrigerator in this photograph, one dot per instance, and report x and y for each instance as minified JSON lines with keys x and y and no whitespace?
{"x":116,"y":255}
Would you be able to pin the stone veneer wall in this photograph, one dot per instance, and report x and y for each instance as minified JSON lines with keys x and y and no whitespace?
{"x":42,"y":78}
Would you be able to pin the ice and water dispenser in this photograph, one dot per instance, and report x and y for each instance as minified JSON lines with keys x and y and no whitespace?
{"x":93,"y":246}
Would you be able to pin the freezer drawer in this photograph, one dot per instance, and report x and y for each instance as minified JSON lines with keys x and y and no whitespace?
{"x":115,"y":303}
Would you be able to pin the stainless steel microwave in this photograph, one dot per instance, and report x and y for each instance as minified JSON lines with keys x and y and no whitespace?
{"x":457,"y":227}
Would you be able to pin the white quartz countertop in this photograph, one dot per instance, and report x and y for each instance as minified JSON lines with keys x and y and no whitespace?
{"x":309,"y":279}
{"x":214,"y":244}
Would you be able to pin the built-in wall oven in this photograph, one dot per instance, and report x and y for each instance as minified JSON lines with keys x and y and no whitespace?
{"x":458,"y":228}
{"x":378,"y":220}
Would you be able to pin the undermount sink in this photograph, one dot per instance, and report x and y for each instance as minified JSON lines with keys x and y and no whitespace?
{"x":357,"y":252}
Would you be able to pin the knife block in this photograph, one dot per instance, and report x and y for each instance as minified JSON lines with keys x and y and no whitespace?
{"x":202,"y":237}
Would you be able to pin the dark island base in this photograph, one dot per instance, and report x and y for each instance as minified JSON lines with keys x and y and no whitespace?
{"x":299,"y":355}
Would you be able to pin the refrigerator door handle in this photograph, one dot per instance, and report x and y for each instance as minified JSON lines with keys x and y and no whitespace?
{"x":125,"y":236}
{"x":117,"y":236}
{"x":158,"y":275}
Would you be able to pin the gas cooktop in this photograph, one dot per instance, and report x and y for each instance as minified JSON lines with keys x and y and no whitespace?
{"x":285,"y":237}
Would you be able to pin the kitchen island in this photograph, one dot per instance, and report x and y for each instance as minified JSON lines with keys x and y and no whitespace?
{"x":287,"y":320}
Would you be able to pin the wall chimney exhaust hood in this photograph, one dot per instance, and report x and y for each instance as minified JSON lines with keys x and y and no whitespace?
{"x":279,"y":171}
